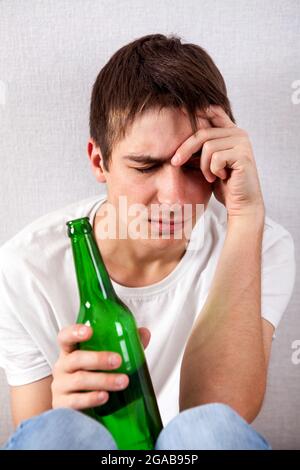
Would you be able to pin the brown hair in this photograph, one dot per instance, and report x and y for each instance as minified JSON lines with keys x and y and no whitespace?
{"x":149,"y":72}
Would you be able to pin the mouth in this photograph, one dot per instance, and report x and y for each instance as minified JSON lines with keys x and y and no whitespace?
{"x":167,"y":226}
{"x":167,"y":222}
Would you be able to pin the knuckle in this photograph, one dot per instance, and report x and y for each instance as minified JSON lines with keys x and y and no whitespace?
{"x":112,"y":380}
{"x":74,"y":359}
{"x":103,"y":359}
{"x":244,"y":153}
{"x":216,"y":156}
{"x":105,"y":381}
{"x":244,"y":138}
{"x":94,"y":400}
{"x":73,"y":402}
{"x":78,"y":379}
{"x":248,"y":160}
{"x":207,"y":146}
{"x":242,"y":132}
{"x":203,"y":133}
{"x":94,"y":359}
{"x":100,"y":358}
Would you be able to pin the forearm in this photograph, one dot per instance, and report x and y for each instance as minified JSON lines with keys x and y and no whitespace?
{"x":31,"y":399}
{"x":224,"y":357}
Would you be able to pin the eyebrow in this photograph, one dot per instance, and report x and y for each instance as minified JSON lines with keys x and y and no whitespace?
{"x":146,"y":158}
{"x":151,"y":159}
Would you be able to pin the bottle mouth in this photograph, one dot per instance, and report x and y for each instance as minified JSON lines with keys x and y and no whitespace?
{"x":80,"y":226}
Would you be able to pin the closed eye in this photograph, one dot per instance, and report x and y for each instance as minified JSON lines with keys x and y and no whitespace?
{"x":195,"y":165}
{"x":192,"y":164}
{"x":147,"y":170}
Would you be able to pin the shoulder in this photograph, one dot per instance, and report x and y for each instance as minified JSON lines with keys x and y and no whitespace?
{"x":43,"y":239}
{"x":275,"y":235}
{"x":278,"y":271}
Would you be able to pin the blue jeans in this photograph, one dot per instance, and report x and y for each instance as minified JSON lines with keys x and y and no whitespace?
{"x":207,"y":427}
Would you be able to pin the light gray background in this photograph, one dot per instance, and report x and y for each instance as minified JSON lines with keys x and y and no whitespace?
{"x":50,"y":54}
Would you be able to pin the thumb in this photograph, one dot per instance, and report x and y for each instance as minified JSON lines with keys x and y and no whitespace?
{"x":145,"y":336}
{"x":70,"y":336}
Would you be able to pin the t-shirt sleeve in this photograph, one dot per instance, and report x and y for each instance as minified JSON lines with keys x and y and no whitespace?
{"x":20,"y":356}
{"x":278,"y":271}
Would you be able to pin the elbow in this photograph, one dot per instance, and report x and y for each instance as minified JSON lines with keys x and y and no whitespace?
{"x":250,"y":412}
{"x":249,"y":401}
{"x":243,"y":401}
{"x":252,"y":404}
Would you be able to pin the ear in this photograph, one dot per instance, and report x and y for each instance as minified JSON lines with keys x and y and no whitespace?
{"x":96,"y":160}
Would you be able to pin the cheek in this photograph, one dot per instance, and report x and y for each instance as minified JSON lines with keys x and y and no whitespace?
{"x":139,"y":184}
{"x":198,"y":188}
{"x":122,"y":180}
{"x":129,"y":183}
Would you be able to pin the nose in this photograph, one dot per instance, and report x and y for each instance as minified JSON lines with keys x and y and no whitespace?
{"x":171,"y":186}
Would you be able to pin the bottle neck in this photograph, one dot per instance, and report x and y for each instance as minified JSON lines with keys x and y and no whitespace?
{"x":92,"y":277}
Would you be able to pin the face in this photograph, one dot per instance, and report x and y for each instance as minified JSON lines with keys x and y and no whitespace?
{"x":154,"y":180}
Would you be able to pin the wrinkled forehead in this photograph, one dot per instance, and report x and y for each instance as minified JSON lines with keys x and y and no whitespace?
{"x":157,"y":132}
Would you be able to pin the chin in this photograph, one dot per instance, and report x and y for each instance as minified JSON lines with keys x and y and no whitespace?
{"x":163,"y":243}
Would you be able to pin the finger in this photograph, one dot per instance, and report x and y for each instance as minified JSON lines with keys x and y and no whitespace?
{"x":91,"y":360}
{"x":209,"y":148}
{"x":69,"y":336}
{"x":145,"y":336}
{"x":82,"y":401}
{"x":82,"y":380}
{"x":221,"y":160}
{"x":194,"y":143}
{"x":218,"y":117}
{"x":202,"y":121}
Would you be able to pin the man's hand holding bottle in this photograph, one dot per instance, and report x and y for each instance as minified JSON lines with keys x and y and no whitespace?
{"x":76,"y":371}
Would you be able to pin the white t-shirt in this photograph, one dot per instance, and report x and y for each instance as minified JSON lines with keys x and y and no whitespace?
{"x":39,"y":295}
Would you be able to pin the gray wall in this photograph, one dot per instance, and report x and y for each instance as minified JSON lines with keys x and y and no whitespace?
{"x":50,"y":54}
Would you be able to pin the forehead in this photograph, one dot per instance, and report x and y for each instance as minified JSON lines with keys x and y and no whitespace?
{"x":156,"y":132}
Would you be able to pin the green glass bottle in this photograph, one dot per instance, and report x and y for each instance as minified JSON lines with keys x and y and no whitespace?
{"x":131,"y":415}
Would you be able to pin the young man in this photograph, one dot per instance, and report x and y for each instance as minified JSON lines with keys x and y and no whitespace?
{"x":161,"y":132}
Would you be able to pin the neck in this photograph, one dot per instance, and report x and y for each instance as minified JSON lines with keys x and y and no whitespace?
{"x":136,"y":263}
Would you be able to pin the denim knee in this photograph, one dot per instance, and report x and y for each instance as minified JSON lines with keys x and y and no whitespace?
{"x":61,"y":429}
{"x":213,"y":426}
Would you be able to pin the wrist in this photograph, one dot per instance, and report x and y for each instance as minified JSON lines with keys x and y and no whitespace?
{"x":249,"y":223}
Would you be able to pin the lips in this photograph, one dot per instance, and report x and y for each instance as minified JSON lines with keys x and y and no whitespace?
{"x":166,"y":222}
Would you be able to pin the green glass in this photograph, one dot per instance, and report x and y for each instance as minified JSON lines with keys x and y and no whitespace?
{"x":131,"y":415}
